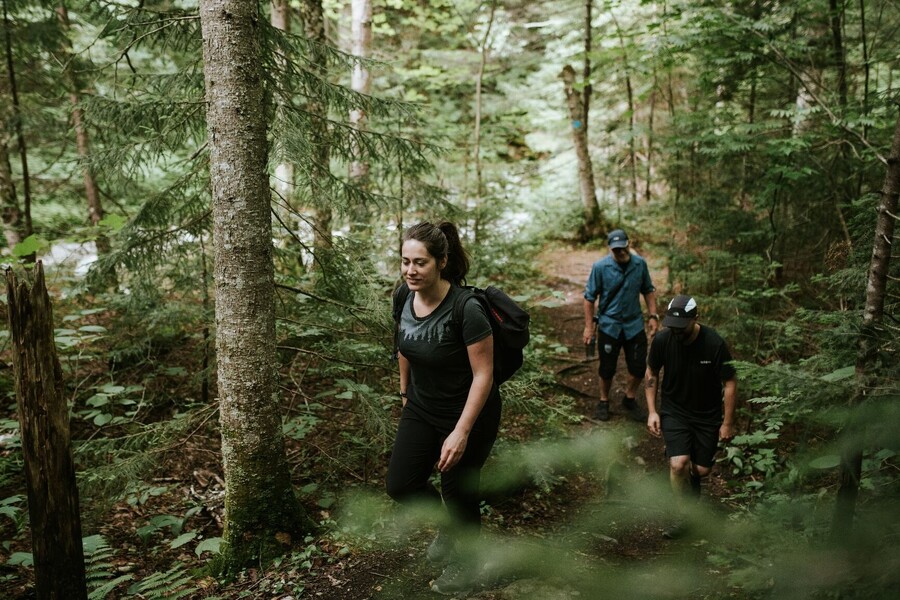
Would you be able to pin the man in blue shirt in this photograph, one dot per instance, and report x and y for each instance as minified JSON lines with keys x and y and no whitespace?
{"x":618,"y":280}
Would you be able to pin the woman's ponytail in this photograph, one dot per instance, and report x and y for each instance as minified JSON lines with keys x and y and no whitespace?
{"x":457,"y":258}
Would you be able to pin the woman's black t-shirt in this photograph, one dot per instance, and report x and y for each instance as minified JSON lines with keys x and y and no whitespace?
{"x":436,"y":349}
{"x":692,"y":381}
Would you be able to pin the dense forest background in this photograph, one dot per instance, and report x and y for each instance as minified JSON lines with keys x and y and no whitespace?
{"x":749,"y":147}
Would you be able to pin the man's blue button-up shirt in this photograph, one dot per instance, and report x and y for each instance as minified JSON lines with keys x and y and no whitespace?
{"x":624,"y":311}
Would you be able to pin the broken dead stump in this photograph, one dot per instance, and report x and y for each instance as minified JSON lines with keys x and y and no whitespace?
{"x":46,"y":443}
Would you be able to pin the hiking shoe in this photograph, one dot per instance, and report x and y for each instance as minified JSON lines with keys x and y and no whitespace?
{"x":677,"y":530}
{"x":440,"y":548}
{"x":634,"y":410}
{"x":602,"y":412}
{"x":457,"y":578}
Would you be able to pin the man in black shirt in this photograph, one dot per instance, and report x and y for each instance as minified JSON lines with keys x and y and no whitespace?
{"x":698,"y":369}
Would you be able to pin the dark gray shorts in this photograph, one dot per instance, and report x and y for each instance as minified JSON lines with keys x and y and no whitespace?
{"x":686,"y":437}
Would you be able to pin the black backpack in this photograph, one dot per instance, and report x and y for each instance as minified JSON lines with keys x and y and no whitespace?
{"x":509,"y":325}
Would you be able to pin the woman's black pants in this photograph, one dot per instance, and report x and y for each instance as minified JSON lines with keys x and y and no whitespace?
{"x":417,"y":449}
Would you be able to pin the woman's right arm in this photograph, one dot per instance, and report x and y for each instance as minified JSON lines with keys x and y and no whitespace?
{"x":404,"y":376}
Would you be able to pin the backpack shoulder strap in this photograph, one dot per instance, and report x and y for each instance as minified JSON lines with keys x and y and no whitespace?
{"x":612,"y":295}
{"x":459,"y":306}
{"x":400,"y":296}
{"x":399,"y":301}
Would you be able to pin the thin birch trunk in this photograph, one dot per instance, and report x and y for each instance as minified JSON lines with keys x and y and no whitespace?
{"x":647,"y":189}
{"x":476,"y":151}
{"x":629,"y":94}
{"x":361,"y":80}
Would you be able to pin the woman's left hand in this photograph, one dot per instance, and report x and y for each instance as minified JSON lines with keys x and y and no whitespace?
{"x":452,"y":450}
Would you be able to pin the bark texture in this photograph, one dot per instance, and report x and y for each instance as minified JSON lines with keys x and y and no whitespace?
{"x":260,"y":506}
{"x":593,"y":220}
{"x":44,"y":426}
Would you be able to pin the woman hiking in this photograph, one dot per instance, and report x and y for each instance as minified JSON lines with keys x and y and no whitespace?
{"x":451,"y":406}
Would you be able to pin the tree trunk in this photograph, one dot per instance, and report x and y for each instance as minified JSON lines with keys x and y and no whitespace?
{"x":872,"y":335}
{"x":647,"y":187}
{"x":629,"y":95}
{"x":17,"y":124}
{"x":313,"y":17}
{"x":593,"y":219}
{"x":9,"y":203}
{"x":586,"y":74}
{"x":840,"y":59}
{"x":261,"y":511}
{"x":864,"y":42}
{"x":476,"y":151}
{"x":82,"y":140}
{"x":46,"y":443}
{"x":866,"y":67}
{"x":845,"y":188}
{"x":361,"y":81}
{"x":284,"y":171}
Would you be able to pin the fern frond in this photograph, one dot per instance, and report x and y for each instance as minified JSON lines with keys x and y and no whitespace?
{"x":170,"y":585}
{"x":98,"y":569}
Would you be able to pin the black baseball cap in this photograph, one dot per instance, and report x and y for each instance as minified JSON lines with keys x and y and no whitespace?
{"x":617,"y":239}
{"x":681,"y":311}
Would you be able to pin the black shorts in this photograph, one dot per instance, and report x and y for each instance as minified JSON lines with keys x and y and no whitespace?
{"x":635,"y":354}
{"x":686,"y":437}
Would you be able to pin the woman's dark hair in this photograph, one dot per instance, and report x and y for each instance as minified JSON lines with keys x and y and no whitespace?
{"x":442,"y":240}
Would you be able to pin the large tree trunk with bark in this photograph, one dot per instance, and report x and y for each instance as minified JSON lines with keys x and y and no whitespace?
{"x":46,"y":444}
{"x":261,"y":510}
{"x":593,"y":224}
{"x":872,"y":335}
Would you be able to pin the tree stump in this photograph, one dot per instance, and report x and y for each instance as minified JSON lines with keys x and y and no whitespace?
{"x":44,"y":428}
